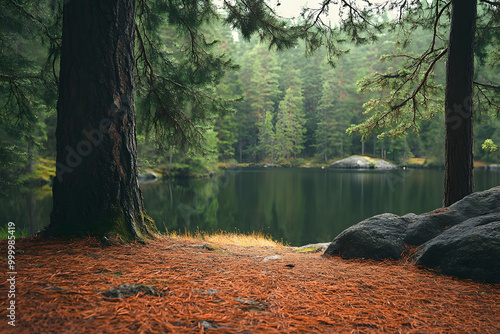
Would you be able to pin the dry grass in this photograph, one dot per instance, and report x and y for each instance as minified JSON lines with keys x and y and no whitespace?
{"x":480,"y":164}
{"x":258,"y":239}
{"x":416,"y":161}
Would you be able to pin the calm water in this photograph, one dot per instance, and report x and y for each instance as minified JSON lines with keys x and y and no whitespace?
{"x":297,"y":205}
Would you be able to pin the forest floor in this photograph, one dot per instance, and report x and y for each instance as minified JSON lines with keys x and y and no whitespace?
{"x":192,"y":286}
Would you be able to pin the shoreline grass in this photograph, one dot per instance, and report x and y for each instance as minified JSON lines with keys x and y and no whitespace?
{"x":249,"y":239}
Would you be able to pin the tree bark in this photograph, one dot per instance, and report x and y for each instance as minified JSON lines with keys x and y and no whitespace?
{"x":459,"y":142}
{"x":96,"y":190}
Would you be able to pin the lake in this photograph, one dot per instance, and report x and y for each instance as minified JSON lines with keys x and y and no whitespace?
{"x":298,"y":206}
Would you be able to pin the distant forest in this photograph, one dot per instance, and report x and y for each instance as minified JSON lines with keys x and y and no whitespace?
{"x":290,"y":108}
{"x":295,"y":107}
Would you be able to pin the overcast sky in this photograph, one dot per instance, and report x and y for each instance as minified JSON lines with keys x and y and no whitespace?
{"x":292,"y":8}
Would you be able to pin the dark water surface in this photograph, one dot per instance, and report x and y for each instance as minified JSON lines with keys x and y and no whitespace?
{"x":298,"y":206}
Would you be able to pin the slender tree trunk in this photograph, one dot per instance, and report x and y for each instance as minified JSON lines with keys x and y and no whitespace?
{"x":241,"y":151}
{"x":96,"y":190}
{"x":459,"y":142}
{"x":28,"y":169}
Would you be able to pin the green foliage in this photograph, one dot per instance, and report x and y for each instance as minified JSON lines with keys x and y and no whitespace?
{"x":177,"y":78}
{"x":293,"y":107}
{"x":326,"y":132}
{"x":411,"y":87}
{"x":27,"y":88}
{"x":290,"y":123}
{"x":267,"y":137}
{"x":18,"y":233}
{"x":490,"y":145}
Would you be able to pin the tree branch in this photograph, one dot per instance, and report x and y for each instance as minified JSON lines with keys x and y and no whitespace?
{"x":486,"y":85}
{"x":426,"y":75}
{"x":493,"y":3}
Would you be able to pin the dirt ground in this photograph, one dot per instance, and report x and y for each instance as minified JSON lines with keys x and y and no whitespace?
{"x":62,"y":286}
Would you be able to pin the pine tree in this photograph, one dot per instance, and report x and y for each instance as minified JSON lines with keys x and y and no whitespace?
{"x":226,"y":136}
{"x":290,"y":123}
{"x":267,"y":138}
{"x":325,"y":133}
{"x":263,"y":92}
{"x":312,"y":77}
{"x":414,"y":94}
{"x":96,"y":189}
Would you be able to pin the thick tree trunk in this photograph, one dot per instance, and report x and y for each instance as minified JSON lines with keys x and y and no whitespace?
{"x":459,"y":143}
{"x":96,"y":190}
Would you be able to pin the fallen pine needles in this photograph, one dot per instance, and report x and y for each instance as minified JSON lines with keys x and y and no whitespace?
{"x":231,"y":289}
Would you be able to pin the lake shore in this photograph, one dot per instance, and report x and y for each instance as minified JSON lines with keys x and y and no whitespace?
{"x":44,"y":169}
{"x":201,"y":286}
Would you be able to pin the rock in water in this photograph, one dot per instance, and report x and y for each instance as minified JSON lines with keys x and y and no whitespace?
{"x":151,"y":176}
{"x":357,"y":162}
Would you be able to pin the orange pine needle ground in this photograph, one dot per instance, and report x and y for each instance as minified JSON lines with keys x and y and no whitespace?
{"x":236,"y":289}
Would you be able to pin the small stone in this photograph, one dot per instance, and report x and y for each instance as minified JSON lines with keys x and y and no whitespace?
{"x":208,"y":325}
{"x":274,"y":257}
{"x":127,"y":290}
{"x":207,"y":292}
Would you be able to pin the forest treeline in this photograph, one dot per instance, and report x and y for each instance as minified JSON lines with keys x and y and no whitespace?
{"x":295,"y":107}
{"x":287,"y":108}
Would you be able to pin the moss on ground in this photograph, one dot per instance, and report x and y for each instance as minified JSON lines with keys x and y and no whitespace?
{"x":307,"y":250}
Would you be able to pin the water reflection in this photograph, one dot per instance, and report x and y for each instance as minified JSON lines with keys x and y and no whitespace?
{"x":297,"y":205}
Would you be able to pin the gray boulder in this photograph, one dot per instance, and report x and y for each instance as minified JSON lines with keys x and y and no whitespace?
{"x":379,"y":237}
{"x":461,"y":240}
{"x":149,"y":177}
{"x":470,"y":249}
{"x":431,"y":224}
{"x":357,"y":161}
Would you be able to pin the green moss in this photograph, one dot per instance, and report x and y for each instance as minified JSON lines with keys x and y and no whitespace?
{"x":113,"y":225}
{"x":213,"y":248}
{"x":149,"y":229}
{"x":307,"y":250}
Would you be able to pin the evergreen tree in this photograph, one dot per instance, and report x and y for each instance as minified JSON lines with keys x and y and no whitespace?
{"x":263,"y":92}
{"x":312,"y":76}
{"x":413,"y":90}
{"x":267,"y":138}
{"x":226,"y":136}
{"x":325,"y":132}
{"x":175,"y":99}
{"x":290,"y":123}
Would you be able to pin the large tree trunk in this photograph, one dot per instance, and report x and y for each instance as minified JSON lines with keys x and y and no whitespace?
{"x":96,"y":190}
{"x":459,"y":143}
